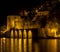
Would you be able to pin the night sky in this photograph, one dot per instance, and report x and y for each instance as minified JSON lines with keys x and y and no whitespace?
{"x":12,"y":7}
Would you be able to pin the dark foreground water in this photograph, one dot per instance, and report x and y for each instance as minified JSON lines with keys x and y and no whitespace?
{"x":49,"y":45}
{"x":28,"y":45}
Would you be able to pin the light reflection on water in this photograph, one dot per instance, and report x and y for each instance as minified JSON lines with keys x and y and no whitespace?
{"x":12,"y":45}
{"x":49,"y":45}
{"x":44,"y":45}
{"x":52,"y":45}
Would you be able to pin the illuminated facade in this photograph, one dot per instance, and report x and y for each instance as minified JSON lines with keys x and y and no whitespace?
{"x":21,"y":36}
{"x":14,"y":22}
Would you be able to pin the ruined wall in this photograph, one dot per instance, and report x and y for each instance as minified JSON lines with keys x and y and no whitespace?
{"x":14,"y":21}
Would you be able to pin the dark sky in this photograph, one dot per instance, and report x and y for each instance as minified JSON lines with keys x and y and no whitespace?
{"x":12,"y":7}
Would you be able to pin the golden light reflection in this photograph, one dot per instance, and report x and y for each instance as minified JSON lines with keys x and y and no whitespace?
{"x":12,"y":45}
{"x":52,"y":45}
{"x":15,"y":45}
{"x":7,"y":45}
{"x":20,"y":45}
{"x":25,"y":45}
{"x":30,"y":45}
{"x":36,"y":47}
{"x":1,"y":45}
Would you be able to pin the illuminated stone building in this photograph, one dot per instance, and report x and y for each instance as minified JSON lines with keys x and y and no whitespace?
{"x":24,"y":35}
{"x":19,"y":29}
{"x":14,"y":21}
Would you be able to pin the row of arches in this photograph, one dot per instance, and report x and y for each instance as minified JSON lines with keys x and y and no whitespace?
{"x":21,"y":33}
{"x":19,"y":41}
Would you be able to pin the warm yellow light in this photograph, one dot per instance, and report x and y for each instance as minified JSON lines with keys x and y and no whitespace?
{"x":12,"y":45}
{"x":30,"y":45}
{"x":52,"y":45}
{"x":25,"y":45}
{"x":54,"y":30}
{"x":20,"y":33}
{"x":1,"y":45}
{"x":20,"y":45}
{"x":29,"y":34}
{"x":36,"y":10}
{"x":18,"y":24}
{"x":25,"y":13}
{"x":12,"y":33}
{"x":36,"y":47}
{"x":15,"y":45}
{"x":24,"y":33}
{"x":16,"y":33}
{"x":3,"y":39}
{"x":12,"y":23}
